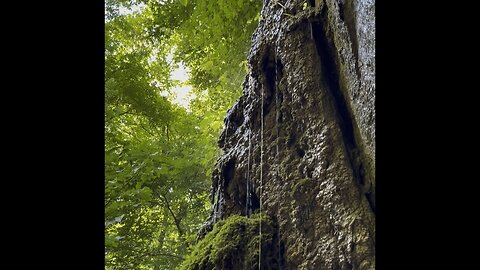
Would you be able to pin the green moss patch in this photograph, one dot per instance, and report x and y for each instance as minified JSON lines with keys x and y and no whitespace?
{"x":233,"y":244}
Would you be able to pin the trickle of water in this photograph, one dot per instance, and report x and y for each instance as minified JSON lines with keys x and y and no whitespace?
{"x":277,"y":116}
{"x":226,"y":133}
{"x":216,"y":202}
{"x":215,"y":208}
{"x":248,"y":195}
{"x":261,"y":182}
{"x":219,"y":210}
{"x":277,"y":106}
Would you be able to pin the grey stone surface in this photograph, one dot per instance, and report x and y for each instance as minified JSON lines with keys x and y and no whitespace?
{"x":315,"y":68}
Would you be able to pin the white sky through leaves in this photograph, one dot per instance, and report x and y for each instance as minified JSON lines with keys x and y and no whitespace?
{"x":183,"y":92}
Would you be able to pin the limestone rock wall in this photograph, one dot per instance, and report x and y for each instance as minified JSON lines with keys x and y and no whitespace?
{"x":301,"y":139}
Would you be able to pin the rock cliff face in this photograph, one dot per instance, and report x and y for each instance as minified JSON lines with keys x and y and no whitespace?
{"x":299,"y":145}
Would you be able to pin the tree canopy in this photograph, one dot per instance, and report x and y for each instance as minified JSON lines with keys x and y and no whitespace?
{"x":159,"y":154}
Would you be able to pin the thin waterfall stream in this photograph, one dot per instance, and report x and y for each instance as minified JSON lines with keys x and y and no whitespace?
{"x":248,"y":204}
{"x":277,"y":173}
{"x":261,"y":180}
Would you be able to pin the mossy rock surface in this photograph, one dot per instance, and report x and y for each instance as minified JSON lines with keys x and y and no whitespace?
{"x":233,"y":244}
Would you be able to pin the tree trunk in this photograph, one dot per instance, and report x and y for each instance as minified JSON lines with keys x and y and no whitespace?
{"x":303,"y":134}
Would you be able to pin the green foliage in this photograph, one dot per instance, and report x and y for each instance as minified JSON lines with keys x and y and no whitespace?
{"x":231,"y":240}
{"x":159,"y":156}
{"x":159,"y":186}
{"x":214,"y":43}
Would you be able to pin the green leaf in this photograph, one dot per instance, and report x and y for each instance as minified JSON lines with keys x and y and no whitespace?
{"x":184,"y":2}
{"x":111,"y":241}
